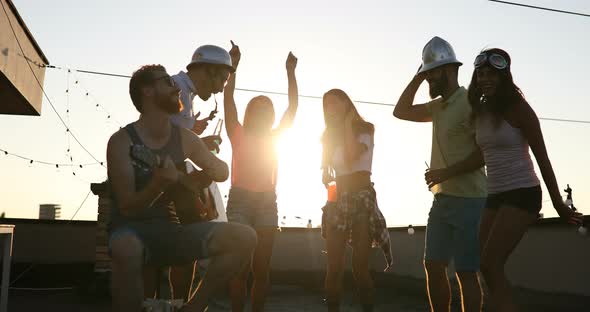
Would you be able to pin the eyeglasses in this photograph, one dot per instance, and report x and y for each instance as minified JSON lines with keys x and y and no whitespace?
{"x":168,"y":80}
{"x":495,"y":60}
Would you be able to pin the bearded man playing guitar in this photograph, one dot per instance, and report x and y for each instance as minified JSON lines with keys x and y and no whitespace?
{"x":144,"y":228}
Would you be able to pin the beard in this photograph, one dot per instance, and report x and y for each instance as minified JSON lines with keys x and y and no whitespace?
{"x":437,"y":87}
{"x":170,"y":103}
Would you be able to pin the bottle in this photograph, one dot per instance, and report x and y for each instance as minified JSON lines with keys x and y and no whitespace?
{"x":218,"y":143}
{"x":217,"y":131}
{"x":332,"y":192}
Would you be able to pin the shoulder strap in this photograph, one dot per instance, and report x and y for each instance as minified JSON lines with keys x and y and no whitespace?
{"x":135,"y":139}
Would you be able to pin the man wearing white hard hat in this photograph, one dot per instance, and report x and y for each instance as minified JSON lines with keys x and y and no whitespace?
{"x":455,"y":177}
{"x":206,"y":74}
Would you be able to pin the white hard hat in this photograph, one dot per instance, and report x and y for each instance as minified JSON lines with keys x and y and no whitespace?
{"x":437,"y":52}
{"x":211,"y":54}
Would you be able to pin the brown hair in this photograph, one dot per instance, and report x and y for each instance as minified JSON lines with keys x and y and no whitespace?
{"x":507,"y":95}
{"x":332,"y":138}
{"x":141,"y":78}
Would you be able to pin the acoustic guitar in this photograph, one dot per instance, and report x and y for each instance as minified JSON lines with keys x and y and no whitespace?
{"x":190,"y":193}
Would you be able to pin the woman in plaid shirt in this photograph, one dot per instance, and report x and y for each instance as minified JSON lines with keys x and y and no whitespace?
{"x":347,"y":157}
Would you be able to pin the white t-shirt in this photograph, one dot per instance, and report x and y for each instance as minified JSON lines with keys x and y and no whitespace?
{"x":363,"y":163}
{"x":186,"y":118}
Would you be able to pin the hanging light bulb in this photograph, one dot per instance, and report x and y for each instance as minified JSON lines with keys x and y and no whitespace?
{"x":582,"y":230}
{"x":411,"y":230}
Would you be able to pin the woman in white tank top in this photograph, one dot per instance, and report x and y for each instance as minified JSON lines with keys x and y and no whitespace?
{"x":506,"y":126}
{"x":355,"y":217}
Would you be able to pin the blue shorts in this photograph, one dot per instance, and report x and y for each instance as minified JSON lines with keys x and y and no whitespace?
{"x":452,"y":231}
{"x":167,"y":243}
{"x":256,"y":209}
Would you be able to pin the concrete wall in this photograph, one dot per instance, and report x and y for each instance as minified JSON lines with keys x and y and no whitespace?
{"x":304,"y":250}
{"x":552,"y":257}
{"x":52,"y":241}
{"x":21,"y":93}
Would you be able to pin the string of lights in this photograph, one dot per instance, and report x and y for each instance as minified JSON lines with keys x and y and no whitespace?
{"x":48,"y":163}
{"x":43,"y":90}
{"x":239,"y":89}
{"x":305,"y":96}
{"x":92,"y":99}
{"x":69,"y":150}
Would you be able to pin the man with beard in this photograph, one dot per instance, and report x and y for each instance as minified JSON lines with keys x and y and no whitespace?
{"x":144,"y":229}
{"x":456,"y":177}
{"x":206,"y":74}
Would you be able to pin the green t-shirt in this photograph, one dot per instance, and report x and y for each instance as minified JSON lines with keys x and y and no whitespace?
{"x":453,"y":140}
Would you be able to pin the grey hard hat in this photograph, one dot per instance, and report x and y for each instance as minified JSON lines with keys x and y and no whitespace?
{"x":437,"y":52}
{"x":211,"y":54}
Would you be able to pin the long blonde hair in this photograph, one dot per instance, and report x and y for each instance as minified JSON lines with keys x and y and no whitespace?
{"x":250,"y":117}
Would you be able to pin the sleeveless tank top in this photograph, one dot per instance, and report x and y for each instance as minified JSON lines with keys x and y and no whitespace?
{"x":506,"y":154}
{"x":163,"y":208}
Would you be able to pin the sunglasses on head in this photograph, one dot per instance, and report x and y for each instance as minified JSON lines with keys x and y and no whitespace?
{"x":495,"y":60}
{"x":167,"y":79}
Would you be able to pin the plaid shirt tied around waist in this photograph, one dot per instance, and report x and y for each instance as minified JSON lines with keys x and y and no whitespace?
{"x":351,"y":206}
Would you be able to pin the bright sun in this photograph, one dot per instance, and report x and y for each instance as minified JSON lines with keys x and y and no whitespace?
{"x":300,"y":191}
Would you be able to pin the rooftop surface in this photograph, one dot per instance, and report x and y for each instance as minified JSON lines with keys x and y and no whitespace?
{"x":54,"y":270}
{"x":287,"y":298}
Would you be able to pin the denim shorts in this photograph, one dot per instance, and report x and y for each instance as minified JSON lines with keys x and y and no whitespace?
{"x":167,"y":243}
{"x":452,"y":232}
{"x":256,"y":209}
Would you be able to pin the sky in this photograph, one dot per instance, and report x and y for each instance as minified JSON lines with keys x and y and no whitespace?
{"x":370,"y":49}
